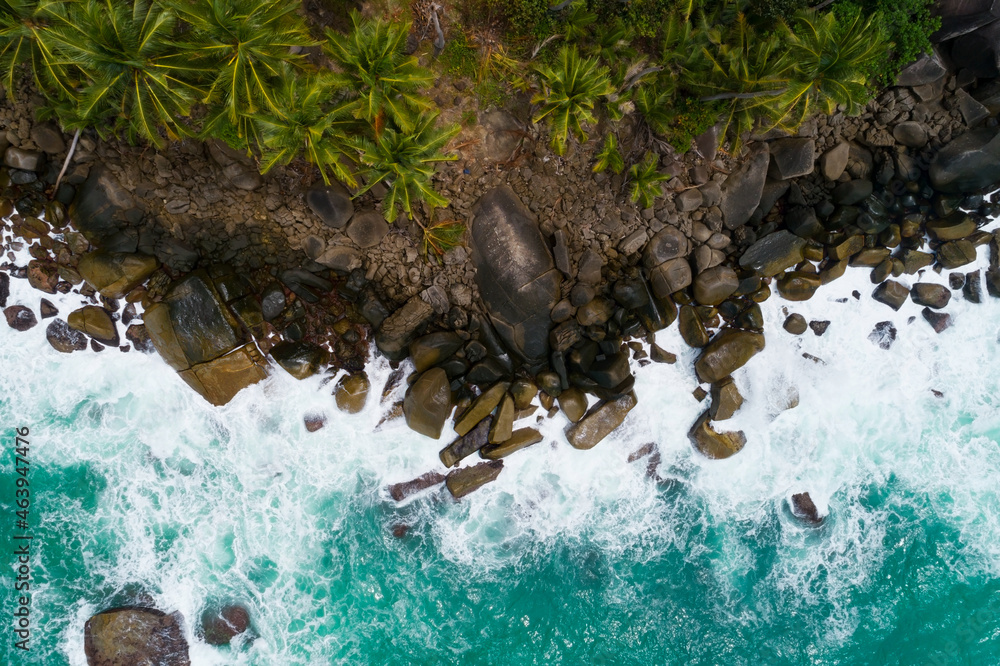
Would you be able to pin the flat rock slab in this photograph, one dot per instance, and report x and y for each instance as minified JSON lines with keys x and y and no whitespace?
{"x":774,"y":253}
{"x":191,"y":325}
{"x":515,"y":272}
{"x":742,"y":190}
{"x":220,"y":379}
{"x":463,"y":481}
{"x":600,"y":421}
{"x":116,"y":274}
{"x":969,"y":163}
{"x":400,"y":491}
{"x":130,"y":636}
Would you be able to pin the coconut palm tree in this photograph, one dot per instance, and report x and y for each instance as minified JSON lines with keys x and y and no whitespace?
{"x":404,"y":161}
{"x":381,"y":81}
{"x":25,"y":38}
{"x":646,"y":181}
{"x":569,"y":91}
{"x":246,"y":44}
{"x":830,"y":55}
{"x":308,"y":126}
{"x":132,"y":75}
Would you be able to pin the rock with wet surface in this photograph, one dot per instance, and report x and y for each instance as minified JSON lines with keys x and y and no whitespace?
{"x":20,"y":317}
{"x":727,"y":352}
{"x":465,"y":480}
{"x":351,"y":392}
{"x":133,"y":636}
{"x":299,"y":359}
{"x":428,"y":403}
{"x":600,"y":421}
{"x":63,"y":338}
{"x":712,"y":444}
{"x":220,"y":627}
{"x":116,"y":274}
{"x":95,"y":322}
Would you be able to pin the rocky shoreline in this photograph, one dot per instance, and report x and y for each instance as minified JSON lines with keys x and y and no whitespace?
{"x":563,"y":282}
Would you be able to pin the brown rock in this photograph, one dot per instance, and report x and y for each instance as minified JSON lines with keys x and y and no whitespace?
{"x":714,"y":444}
{"x":805,"y":509}
{"x":715,"y":285}
{"x":467,"y":444}
{"x":116,"y":274}
{"x":573,"y":403}
{"x":314,"y":422}
{"x":63,"y":338}
{"x":726,"y":399}
{"x":600,"y":421}
{"x":428,"y":403}
{"x":43,"y":275}
{"x":519,"y":439}
{"x":95,"y":322}
{"x":691,"y":327}
{"x":351,"y":392}
{"x":481,"y":407}
{"x":132,"y":636}
{"x":726,"y":353}
{"x":222,"y":626}
{"x":400,"y":491}
{"x":463,"y":481}
{"x":503,"y":424}
{"x":20,"y":317}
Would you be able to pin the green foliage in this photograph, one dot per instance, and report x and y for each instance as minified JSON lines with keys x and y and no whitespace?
{"x":439,"y":237}
{"x":24,"y":38}
{"x":405,"y":162}
{"x":829,"y":57}
{"x":679,"y":121}
{"x":609,"y":157}
{"x":578,"y":21}
{"x":569,"y":91}
{"x":459,"y":56}
{"x":381,"y":81}
{"x":766,"y":14}
{"x":523,"y":18}
{"x":306,"y":126}
{"x":245,"y":44}
{"x":907,"y":24}
{"x":646,"y":181}
{"x":132,"y":76}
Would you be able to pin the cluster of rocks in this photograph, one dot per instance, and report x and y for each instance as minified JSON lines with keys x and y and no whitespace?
{"x":141,"y":634}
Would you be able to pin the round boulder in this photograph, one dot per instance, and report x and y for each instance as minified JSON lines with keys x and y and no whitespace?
{"x":715,"y":285}
{"x":930,"y":295}
{"x":20,"y":317}
{"x":911,"y":134}
{"x":95,"y":322}
{"x":367,"y":228}
{"x":332,"y":204}
{"x":351,"y":392}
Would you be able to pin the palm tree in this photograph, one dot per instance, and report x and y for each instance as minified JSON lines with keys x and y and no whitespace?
{"x":246,"y":44}
{"x":645,"y":186}
{"x":569,"y":91}
{"x":381,"y":81}
{"x":307,"y":126}
{"x":133,"y":77}
{"x":25,"y":38}
{"x":831,"y":54}
{"x":405,"y":162}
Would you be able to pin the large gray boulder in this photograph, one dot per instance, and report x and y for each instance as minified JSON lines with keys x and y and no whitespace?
{"x":742,"y":190}
{"x":517,"y":278}
{"x":969,"y":163}
{"x":101,"y":204}
{"x":791,"y":158}
{"x":774,"y":253}
{"x":960,"y":17}
{"x":331,"y":203}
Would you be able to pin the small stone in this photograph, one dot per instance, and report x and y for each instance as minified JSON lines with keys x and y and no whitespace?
{"x":351,"y":392}
{"x":795,"y":324}
{"x":939,"y":321}
{"x":660,"y":355}
{"x":20,"y":317}
{"x":883,"y":335}
{"x":314,"y":422}
{"x":819,"y":327}
{"x":367,"y":228}
{"x":49,"y":310}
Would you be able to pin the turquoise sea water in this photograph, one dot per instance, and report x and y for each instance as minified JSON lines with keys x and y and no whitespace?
{"x":571,"y":557}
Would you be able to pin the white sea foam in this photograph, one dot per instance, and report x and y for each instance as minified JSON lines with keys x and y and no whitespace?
{"x":244,"y":488}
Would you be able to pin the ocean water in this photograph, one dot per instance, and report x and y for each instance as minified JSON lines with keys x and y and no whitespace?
{"x":571,"y":557}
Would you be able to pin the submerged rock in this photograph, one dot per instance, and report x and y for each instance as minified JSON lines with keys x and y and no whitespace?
{"x":222,"y":626}
{"x":463,"y":481}
{"x":400,"y":491}
{"x":804,"y":509}
{"x":132,"y":636}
